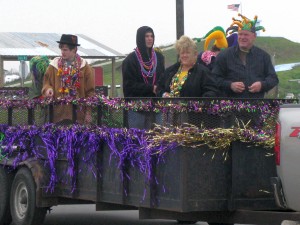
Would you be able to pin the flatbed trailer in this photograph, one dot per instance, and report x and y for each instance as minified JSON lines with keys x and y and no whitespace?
{"x":187,"y":184}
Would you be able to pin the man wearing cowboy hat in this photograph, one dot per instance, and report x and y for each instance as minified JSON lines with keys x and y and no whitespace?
{"x":69,"y":76}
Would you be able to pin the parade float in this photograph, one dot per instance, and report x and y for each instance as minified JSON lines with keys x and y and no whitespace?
{"x":191,"y":160}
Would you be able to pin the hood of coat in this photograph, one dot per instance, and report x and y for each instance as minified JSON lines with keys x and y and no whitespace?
{"x":141,"y":42}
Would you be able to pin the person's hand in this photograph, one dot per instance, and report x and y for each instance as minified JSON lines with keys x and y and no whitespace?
{"x":255,"y":87}
{"x":154,"y":89}
{"x":49,"y":92}
{"x":237,"y":87}
{"x":166,"y":95}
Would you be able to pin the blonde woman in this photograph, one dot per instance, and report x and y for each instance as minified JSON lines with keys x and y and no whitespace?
{"x":187,"y":78}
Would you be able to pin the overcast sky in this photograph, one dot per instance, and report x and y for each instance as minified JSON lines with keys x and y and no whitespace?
{"x":114,"y":22}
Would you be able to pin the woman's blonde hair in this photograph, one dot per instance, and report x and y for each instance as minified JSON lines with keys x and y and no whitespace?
{"x":185,"y":43}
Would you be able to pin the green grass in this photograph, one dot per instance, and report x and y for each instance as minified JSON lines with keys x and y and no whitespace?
{"x":285,"y":50}
{"x":107,"y":70}
{"x":285,"y":85}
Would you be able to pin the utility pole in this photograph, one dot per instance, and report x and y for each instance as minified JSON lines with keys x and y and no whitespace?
{"x":179,"y":18}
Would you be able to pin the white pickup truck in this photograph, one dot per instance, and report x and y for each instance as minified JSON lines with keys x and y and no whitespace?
{"x":287,"y":149}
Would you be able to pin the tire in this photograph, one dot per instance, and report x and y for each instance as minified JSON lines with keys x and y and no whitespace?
{"x":186,"y":222}
{"x":5,"y":185}
{"x":23,"y":200}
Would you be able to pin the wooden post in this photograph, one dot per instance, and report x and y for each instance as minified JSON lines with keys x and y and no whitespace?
{"x":276,"y":88}
{"x":274,"y":92}
{"x":22,"y":64}
{"x":179,"y":18}
{"x":113,"y":82}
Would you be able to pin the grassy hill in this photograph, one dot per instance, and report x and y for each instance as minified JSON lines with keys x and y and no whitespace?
{"x":286,"y":86}
{"x":285,"y":51}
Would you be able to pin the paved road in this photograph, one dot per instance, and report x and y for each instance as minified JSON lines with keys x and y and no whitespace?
{"x":87,"y":215}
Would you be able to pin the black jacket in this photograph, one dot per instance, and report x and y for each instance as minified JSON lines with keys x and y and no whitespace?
{"x":133,"y":82}
{"x":229,"y":68}
{"x":199,"y":82}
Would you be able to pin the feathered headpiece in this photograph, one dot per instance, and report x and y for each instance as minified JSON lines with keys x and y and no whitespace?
{"x":221,"y":41}
{"x":245,"y":24}
{"x":38,"y":66}
{"x":219,"y":35}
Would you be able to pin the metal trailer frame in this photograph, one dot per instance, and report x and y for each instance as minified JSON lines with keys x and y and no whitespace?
{"x":234,"y":209}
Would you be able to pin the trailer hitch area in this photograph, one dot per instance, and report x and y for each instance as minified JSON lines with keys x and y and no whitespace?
{"x":278,"y":192}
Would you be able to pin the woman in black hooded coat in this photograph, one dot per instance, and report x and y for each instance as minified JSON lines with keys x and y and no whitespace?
{"x":142,"y":68}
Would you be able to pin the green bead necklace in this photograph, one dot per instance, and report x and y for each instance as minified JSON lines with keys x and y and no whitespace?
{"x":176,"y":83}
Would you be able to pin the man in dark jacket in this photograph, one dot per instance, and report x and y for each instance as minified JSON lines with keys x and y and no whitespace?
{"x":245,"y":71}
{"x":142,"y":68}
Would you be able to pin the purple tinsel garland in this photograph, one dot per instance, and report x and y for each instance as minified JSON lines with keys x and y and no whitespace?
{"x":210,"y":106}
{"x":132,"y":146}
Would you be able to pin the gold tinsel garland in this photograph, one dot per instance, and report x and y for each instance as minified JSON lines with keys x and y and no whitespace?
{"x":216,"y":138}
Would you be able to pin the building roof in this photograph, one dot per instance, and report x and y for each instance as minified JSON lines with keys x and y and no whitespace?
{"x":14,"y":44}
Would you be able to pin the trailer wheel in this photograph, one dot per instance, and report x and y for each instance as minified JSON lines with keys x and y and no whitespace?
{"x":186,"y":222}
{"x":23,"y":200}
{"x":5,"y":185}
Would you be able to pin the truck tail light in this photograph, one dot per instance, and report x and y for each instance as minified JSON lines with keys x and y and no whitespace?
{"x":277,"y":144}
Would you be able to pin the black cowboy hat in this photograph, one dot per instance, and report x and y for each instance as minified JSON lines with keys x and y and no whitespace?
{"x":68,"y":39}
